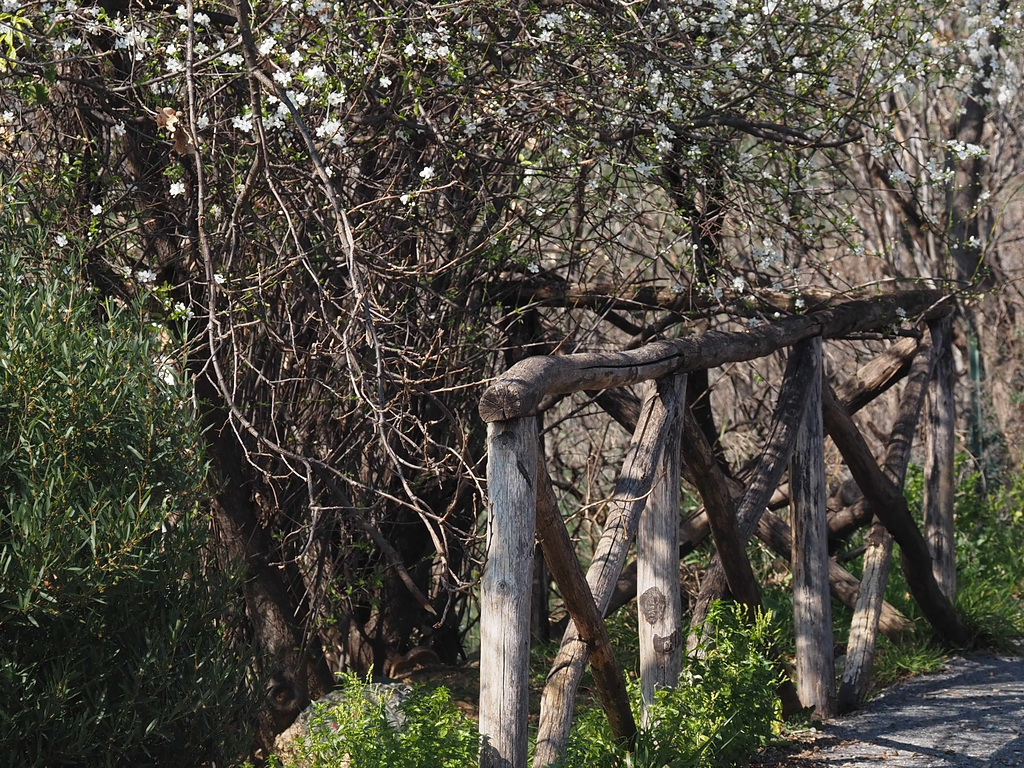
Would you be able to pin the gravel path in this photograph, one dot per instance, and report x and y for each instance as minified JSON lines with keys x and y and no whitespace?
{"x":970,"y":715}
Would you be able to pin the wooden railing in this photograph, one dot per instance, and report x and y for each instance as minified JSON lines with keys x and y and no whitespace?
{"x":645,"y":506}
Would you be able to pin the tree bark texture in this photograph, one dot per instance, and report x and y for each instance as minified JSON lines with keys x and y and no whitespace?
{"x":777,"y":535}
{"x":878,"y":375}
{"x":624,"y":508}
{"x":657,"y":547}
{"x":860,"y":649}
{"x":300,"y":670}
{"x":812,"y":612}
{"x":939,"y":488}
{"x":730,"y":568}
{"x":505,"y":592}
{"x":520,"y":390}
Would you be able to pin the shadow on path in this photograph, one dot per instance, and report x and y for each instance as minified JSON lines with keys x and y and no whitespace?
{"x":970,"y":715}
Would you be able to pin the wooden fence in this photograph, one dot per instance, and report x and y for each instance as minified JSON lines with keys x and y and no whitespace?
{"x":645,"y":505}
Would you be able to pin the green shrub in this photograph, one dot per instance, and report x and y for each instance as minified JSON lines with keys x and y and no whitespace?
{"x":723,"y":710}
{"x":989,"y":535}
{"x":360,"y":730}
{"x":112,"y":633}
{"x":990,"y":570}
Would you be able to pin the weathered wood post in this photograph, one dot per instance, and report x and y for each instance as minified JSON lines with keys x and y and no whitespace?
{"x":505,"y":590}
{"x":860,"y":649}
{"x":812,"y":612}
{"x":939,"y":485}
{"x":657,"y":548}
{"x":632,"y":487}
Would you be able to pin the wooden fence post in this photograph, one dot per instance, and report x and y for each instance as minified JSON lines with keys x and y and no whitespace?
{"x":657,"y":552}
{"x":624,"y":508}
{"x":860,"y":648}
{"x":505,"y":590}
{"x":888,"y":504}
{"x":777,"y":535}
{"x":579,"y":603}
{"x":939,"y":485}
{"x":747,"y":504}
{"x":812,"y":612}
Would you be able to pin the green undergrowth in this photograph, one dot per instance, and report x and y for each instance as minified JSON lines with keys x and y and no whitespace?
{"x":989,"y":529}
{"x":723,"y":711}
{"x":725,"y":707}
{"x":366,"y":729}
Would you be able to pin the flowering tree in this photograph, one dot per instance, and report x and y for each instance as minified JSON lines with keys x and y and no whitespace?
{"x":941,"y":164}
{"x":350,"y":213}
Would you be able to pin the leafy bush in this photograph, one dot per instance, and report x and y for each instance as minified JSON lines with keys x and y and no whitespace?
{"x":361,"y":731}
{"x":989,"y":541}
{"x":989,"y":531}
{"x":112,"y":633}
{"x":723,"y":710}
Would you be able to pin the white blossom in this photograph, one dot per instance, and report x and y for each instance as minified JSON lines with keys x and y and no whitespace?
{"x":177,"y":188}
{"x":242,"y":122}
{"x":145,"y":276}
{"x":427,"y":173}
{"x":316,"y":74}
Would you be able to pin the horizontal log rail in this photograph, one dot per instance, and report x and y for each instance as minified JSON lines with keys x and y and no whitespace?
{"x":519,"y":391}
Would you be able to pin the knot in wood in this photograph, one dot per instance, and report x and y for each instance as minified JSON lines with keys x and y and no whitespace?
{"x":652,"y":605}
{"x":666,"y":644}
